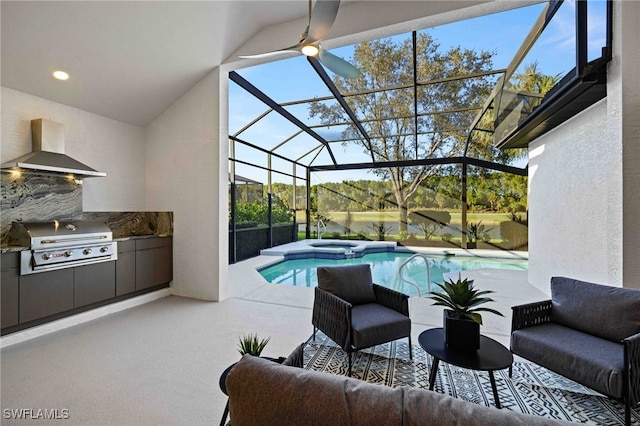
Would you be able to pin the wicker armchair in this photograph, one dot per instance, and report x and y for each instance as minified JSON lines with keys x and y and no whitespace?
{"x":356,"y":313}
{"x":587,"y":332}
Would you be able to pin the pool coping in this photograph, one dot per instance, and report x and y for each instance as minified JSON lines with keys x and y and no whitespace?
{"x":306,"y":249}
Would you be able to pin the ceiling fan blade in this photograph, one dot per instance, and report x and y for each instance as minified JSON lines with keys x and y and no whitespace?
{"x":322,"y":17}
{"x":291,"y":49}
{"x":338,"y":65}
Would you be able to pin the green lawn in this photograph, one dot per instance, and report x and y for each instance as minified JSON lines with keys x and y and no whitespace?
{"x":392,"y":216}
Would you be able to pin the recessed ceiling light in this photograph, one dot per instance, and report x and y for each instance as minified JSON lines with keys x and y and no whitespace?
{"x":61,"y":75}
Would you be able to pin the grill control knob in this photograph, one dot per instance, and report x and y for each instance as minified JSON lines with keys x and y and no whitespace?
{"x":104,"y":249}
{"x":68,"y":253}
{"x":47,"y":256}
{"x":87,"y":251}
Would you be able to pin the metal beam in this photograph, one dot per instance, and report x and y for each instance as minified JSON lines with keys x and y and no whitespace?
{"x":336,"y":93}
{"x":266,"y":151}
{"x":397,"y":117}
{"x":457,"y":129}
{"x":414,"y":37}
{"x":426,"y":162}
{"x":257,"y":166}
{"x":254,"y":121}
{"x":399,"y":87}
{"x":239,"y":80}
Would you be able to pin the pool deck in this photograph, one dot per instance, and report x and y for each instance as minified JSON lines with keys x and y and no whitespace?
{"x":511,"y":288}
{"x":171,"y":351}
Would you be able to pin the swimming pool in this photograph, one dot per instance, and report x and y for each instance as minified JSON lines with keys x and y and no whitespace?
{"x":384,"y":267}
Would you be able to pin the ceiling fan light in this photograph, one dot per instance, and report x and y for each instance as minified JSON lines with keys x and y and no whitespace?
{"x":310,"y":50}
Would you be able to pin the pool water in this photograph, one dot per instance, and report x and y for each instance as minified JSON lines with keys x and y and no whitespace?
{"x":384,"y":267}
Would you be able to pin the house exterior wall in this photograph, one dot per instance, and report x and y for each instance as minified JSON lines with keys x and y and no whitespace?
{"x":628,"y":103}
{"x":187,"y":174}
{"x":107,"y":145}
{"x":584,"y":199}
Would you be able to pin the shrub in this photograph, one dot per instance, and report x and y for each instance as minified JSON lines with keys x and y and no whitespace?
{"x":515,"y":233}
{"x":257,"y":212}
{"x":429,"y":221}
{"x":477,"y":231}
{"x":403,"y":235}
{"x":380,"y":229}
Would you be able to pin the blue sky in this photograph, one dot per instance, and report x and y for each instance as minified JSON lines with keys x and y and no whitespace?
{"x":294,"y":79}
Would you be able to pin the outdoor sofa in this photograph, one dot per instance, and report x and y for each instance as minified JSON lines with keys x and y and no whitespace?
{"x":587,"y":332}
{"x":262,"y":392}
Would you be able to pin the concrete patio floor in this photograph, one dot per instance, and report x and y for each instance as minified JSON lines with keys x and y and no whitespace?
{"x":159,"y":363}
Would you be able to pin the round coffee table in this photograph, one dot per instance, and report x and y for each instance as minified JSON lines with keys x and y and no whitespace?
{"x":490,"y":357}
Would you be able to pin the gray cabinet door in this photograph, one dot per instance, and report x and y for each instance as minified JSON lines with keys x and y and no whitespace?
{"x":126,"y":267}
{"x":126,"y":273}
{"x":9,"y":286}
{"x":45,"y":294}
{"x":144,"y":268}
{"x":163,"y":265}
{"x":94,"y":283}
{"x":154,"y":262}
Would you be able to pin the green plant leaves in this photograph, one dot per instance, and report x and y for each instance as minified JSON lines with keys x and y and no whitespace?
{"x":250,"y":344}
{"x":461,"y":297}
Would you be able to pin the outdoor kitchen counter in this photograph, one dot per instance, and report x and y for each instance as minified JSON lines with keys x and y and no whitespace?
{"x":144,"y":264}
{"x":141,"y":237}
{"x":13,"y":249}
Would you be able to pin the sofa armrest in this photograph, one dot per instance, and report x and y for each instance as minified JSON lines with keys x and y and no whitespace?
{"x":632,"y":364}
{"x":332,"y":316}
{"x":530,"y":314}
{"x":392,"y":299}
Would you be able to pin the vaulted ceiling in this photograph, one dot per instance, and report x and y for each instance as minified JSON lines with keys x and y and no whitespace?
{"x":130,"y":60}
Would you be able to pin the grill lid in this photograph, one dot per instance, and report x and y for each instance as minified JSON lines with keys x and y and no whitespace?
{"x":57,"y":233}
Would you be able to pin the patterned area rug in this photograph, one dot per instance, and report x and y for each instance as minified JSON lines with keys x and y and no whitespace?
{"x":532,"y":389}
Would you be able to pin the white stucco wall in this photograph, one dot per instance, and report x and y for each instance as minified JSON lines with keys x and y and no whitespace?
{"x":628,"y":104}
{"x":187,"y":174}
{"x":584,"y":179}
{"x":107,"y":145}
{"x":575,"y":187}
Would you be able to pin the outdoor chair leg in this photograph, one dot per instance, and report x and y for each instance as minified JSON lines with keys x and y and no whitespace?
{"x":627,"y":412}
{"x":410,"y":349}
{"x":314,"y":334}
{"x":510,"y":370}
{"x":349,"y":355}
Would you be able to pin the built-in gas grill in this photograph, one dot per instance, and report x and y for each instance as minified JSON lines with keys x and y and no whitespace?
{"x":62,"y":244}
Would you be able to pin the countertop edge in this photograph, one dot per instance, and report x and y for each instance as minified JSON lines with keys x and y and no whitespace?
{"x":16,"y":249}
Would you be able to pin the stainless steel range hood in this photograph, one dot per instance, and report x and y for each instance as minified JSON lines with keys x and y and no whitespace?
{"x":47,"y":153}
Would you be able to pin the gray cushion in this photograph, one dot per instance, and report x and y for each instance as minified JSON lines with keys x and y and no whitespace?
{"x":351,"y":282}
{"x":296,"y":358}
{"x":374,"y":324}
{"x":431,"y":408}
{"x":609,"y":312}
{"x":563,"y":350}
{"x":265,"y":393}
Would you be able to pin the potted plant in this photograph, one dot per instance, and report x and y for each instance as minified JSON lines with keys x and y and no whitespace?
{"x":462,"y":321}
{"x":250,"y":344}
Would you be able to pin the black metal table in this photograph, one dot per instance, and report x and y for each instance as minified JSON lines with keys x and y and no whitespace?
{"x":490,"y":357}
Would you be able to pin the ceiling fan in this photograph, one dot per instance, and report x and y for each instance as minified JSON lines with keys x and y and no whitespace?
{"x":321,"y":20}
